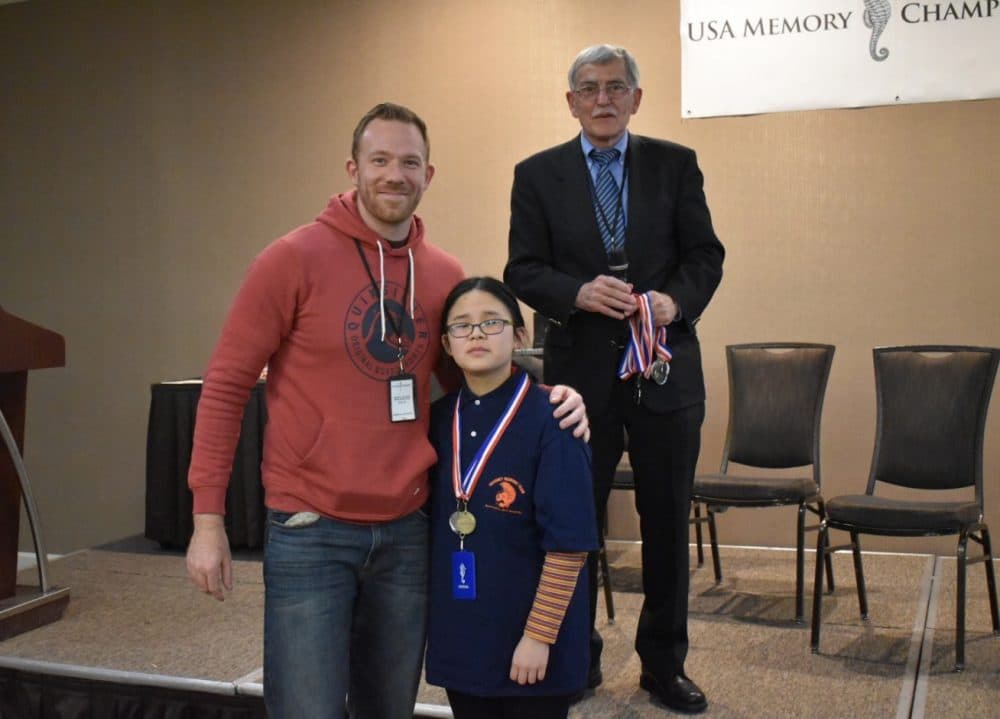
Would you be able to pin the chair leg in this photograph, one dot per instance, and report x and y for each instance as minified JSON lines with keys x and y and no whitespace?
{"x":822,"y":543}
{"x":800,"y":567}
{"x":821,"y":511}
{"x":962,"y":557}
{"x":859,"y":575}
{"x":991,"y":581}
{"x":609,"y":601}
{"x":697,"y":533}
{"x":713,"y":539}
{"x":829,"y":573}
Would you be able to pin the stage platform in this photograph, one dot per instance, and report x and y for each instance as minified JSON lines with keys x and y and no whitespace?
{"x":138,"y":640}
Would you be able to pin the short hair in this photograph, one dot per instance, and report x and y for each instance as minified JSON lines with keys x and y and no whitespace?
{"x":396,"y":113}
{"x":602,"y":55}
{"x":490,"y":285}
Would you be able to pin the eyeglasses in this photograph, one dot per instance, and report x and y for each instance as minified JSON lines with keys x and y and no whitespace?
{"x":615,"y":90}
{"x":460,"y":330}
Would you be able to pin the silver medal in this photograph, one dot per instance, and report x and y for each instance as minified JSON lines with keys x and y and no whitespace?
{"x":659,"y":372}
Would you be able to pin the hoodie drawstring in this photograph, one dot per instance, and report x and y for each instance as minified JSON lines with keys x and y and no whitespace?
{"x":381,"y":284}
{"x":413,"y":282}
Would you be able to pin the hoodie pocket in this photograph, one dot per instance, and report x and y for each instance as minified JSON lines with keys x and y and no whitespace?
{"x":288,"y":449}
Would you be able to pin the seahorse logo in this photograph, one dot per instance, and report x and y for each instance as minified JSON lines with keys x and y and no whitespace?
{"x":876,"y":16}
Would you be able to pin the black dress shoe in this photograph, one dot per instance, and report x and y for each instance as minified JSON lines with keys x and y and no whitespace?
{"x":677,"y":692}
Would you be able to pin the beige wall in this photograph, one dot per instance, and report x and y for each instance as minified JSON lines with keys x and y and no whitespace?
{"x":152,"y":148}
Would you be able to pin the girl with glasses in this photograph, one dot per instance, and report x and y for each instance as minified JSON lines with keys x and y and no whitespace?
{"x":512,"y":519}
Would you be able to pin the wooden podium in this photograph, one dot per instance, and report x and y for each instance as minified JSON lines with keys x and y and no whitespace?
{"x":23,"y":347}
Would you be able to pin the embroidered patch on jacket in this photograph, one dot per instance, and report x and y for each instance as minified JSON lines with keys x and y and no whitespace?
{"x":508,"y":491}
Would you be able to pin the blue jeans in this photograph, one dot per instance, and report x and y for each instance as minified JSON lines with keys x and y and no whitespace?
{"x":345,"y":610}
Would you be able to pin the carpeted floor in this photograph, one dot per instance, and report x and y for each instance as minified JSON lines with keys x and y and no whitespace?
{"x":753,"y":660}
{"x":139,"y":613}
{"x":974,"y":692}
{"x":136,"y":613}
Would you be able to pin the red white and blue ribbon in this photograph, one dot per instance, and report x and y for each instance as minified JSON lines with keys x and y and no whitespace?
{"x":465,"y":483}
{"x":646,"y":343}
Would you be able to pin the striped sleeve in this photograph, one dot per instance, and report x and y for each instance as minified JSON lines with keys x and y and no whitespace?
{"x":555,"y":589}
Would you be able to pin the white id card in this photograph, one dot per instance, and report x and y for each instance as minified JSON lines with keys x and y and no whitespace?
{"x":402,"y":398}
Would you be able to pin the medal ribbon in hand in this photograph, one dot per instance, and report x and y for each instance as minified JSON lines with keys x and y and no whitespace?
{"x":647,"y":345}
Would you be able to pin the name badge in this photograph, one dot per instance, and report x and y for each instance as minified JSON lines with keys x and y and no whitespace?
{"x":463,"y":575}
{"x":403,"y":398}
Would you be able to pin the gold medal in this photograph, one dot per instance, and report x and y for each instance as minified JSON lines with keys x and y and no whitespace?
{"x":462,"y":522}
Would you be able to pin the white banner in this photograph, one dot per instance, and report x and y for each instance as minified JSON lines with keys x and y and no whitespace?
{"x":742,"y":57}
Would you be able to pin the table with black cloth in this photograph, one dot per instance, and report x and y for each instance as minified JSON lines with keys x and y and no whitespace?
{"x":169,"y":439}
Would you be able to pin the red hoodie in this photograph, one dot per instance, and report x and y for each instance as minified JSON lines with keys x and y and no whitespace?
{"x":307,"y":308}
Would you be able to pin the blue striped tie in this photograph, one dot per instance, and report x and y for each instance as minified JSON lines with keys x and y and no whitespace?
{"x":608,"y":200}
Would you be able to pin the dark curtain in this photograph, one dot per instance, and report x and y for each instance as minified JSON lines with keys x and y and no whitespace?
{"x":27,"y":695}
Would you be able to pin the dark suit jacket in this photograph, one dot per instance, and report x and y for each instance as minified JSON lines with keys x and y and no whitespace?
{"x":555,"y":247}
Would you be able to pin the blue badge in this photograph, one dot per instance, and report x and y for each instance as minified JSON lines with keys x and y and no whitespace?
{"x":463,"y":575}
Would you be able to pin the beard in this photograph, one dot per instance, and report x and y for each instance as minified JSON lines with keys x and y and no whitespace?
{"x":392,"y":211}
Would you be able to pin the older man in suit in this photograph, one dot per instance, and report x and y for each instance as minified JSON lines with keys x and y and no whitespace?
{"x":611,"y":239}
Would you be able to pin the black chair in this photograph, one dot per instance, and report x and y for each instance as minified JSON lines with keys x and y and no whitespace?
{"x":932,"y":403}
{"x":776,"y":392}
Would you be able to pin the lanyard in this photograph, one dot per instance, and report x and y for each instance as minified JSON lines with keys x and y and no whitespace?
{"x":464,"y":484}
{"x":396,"y":327}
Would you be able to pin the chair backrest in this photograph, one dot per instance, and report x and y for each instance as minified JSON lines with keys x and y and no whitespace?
{"x":776,"y":392}
{"x":932,"y":402}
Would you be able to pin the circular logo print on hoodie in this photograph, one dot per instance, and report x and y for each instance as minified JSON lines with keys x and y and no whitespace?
{"x":363,"y":332}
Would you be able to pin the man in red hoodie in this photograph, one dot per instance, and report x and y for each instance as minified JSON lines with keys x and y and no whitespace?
{"x":344,"y":313}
